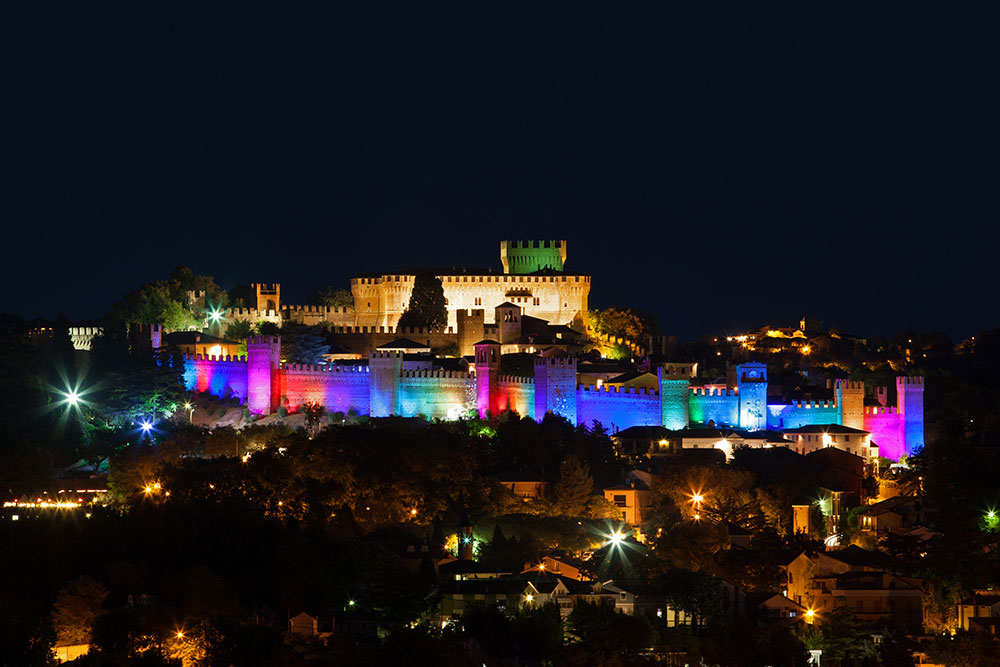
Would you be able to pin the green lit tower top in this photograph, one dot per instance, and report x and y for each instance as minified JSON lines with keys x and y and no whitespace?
{"x":531,"y":256}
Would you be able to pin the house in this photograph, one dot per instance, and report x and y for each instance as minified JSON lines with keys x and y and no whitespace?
{"x":194,"y":343}
{"x":774,"y":607}
{"x":633,"y":498}
{"x":503,"y":593}
{"x":980,"y":611}
{"x":643,"y":440}
{"x":67,"y":652}
{"x":894,"y":514}
{"x":874,"y":597}
{"x":801,"y":569}
{"x":528,"y":487}
{"x":305,"y":624}
{"x":542,"y":588}
{"x":560,"y":565}
{"x":813,"y":437}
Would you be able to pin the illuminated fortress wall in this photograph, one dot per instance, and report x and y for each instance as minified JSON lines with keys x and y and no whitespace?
{"x":802,"y":413}
{"x":384,"y":388}
{"x":516,"y":394}
{"x":379,"y":301}
{"x":720,"y":407}
{"x":337,"y":388}
{"x":617,"y":408}
{"x":436,"y":394}
{"x":219,"y":376}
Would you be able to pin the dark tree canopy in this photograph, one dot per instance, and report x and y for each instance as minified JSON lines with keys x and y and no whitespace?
{"x":335,"y":298}
{"x":427,"y":307}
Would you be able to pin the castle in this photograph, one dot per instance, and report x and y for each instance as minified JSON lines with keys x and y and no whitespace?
{"x":533,"y":278}
{"x":394,"y":383}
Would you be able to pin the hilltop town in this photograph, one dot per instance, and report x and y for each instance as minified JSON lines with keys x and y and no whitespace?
{"x":479,"y":465}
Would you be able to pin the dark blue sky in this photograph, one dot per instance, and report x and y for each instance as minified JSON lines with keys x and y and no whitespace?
{"x":722,"y":167}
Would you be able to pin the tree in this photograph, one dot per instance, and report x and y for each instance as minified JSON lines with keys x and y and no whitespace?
{"x":334,"y":298}
{"x":313,"y":411}
{"x":573,"y":488}
{"x":77,"y":607}
{"x":303,"y":344}
{"x":427,"y":307}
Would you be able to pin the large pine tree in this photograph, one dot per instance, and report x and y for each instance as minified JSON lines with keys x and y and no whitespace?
{"x":427,"y":307}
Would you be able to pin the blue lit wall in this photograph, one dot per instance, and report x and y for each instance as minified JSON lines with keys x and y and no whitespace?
{"x":617,"y":410}
{"x":794,"y":416}
{"x":721,"y":408}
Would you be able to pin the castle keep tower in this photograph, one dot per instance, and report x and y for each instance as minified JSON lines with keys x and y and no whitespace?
{"x":910,"y":400}
{"x":531,"y":256}
{"x":487,"y":377}
{"x":263,"y":358}
{"x":752,"y":387}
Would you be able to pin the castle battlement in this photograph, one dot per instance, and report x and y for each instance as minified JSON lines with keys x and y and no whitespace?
{"x":881,"y":410}
{"x":385,"y":354}
{"x":814,"y":404}
{"x":515,"y":379}
{"x":216,"y":357}
{"x":566,"y":362}
{"x":318,"y":309}
{"x":534,"y":243}
{"x":711,"y":391}
{"x":250,"y":313}
{"x":850,"y":385}
{"x":605,"y":389}
{"x":909,"y":380}
{"x":263,"y":340}
{"x":437,"y":373}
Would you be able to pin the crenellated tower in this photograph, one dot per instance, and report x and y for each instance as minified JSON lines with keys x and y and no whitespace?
{"x":385,"y":368}
{"x":850,"y":396}
{"x":263,"y":358}
{"x":555,"y":387}
{"x":751,"y":386}
{"x":910,"y":401}
{"x":487,"y":378}
{"x":471,"y":328}
{"x":675,"y":396}
{"x":531,"y":256}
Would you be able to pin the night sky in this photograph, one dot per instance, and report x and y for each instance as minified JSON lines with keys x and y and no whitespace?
{"x":721,"y":167}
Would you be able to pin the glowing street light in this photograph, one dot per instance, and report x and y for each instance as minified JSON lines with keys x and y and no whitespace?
{"x":180,"y":634}
{"x":190,"y":409}
{"x":697,"y":498}
{"x":616,"y":538}
{"x":529,"y":598}
{"x":146,"y":426}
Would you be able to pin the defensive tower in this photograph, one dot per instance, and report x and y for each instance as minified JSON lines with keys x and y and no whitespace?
{"x":555,"y":386}
{"x":268,"y":295}
{"x":487,"y":377}
{"x":751,"y":385}
{"x":531,"y":256}
{"x":263,"y":358}
{"x":675,"y":390}
{"x":910,"y":400}
{"x":385,"y":368}
{"x":850,"y":403}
